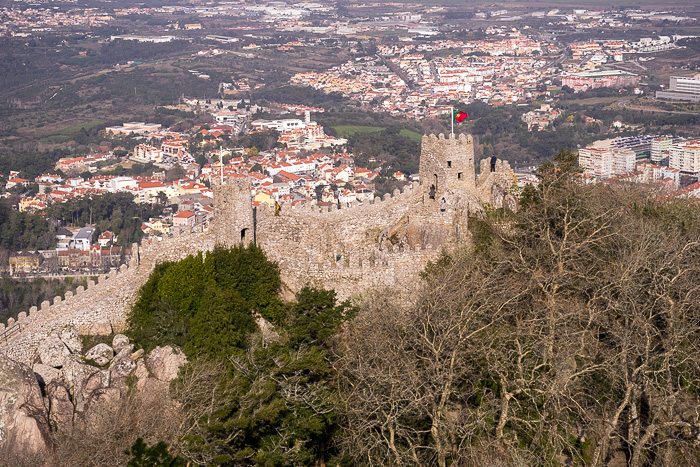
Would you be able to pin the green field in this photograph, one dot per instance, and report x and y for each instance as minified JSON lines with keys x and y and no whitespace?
{"x":346,"y":130}
{"x":414,"y":135}
{"x":72,"y":129}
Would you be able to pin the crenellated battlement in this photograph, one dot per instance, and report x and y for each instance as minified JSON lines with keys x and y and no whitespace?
{"x":447,"y":162}
{"x":365,"y":208}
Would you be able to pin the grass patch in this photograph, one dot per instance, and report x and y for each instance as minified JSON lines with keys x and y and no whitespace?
{"x":347,"y":130}
{"x":414,"y":135}
{"x":72,"y":129}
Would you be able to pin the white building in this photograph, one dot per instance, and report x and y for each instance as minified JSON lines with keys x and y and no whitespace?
{"x":282,"y":126}
{"x":660,"y":148}
{"x":606,"y":162}
{"x":83,"y":239}
{"x":121,"y":183}
{"x":685,"y":156}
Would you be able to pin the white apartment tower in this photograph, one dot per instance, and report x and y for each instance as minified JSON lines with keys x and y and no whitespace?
{"x":660,"y":148}
{"x":685,"y":156}
{"x":606,"y":162}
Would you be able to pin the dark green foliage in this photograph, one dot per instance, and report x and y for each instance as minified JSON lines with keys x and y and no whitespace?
{"x":17,"y":295}
{"x":205,"y":305}
{"x":262,"y":140}
{"x":266,"y":404}
{"x":21,"y":230}
{"x":154,"y":456}
{"x":121,"y":51}
{"x":401,"y":151}
{"x":30,"y":164}
{"x":316,"y":317}
{"x":116,"y":212}
{"x":274,"y":408}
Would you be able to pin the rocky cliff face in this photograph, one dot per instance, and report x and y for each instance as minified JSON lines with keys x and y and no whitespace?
{"x":66,"y":388}
{"x":24,"y":423}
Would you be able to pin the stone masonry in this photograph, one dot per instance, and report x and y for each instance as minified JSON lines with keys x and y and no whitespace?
{"x":382,"y":243}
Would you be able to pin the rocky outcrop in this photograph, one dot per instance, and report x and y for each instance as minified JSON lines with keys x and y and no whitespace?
{"x":122,"y":366}
{"x":165,"y":362}
{"x":24,"y":422}
{"x":78,"y":390}
{"x":45,"y":374}
{"x":52,"y":351}
{"x":60,"y":406}
{"x":101,"y":328}
{"x":120,"y":342}
{"x":71,"y":338}
{"x":101,"y":354}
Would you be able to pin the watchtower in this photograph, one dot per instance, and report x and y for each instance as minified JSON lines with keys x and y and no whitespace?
{"x":234,"y":221}
{"x":447,"y":163}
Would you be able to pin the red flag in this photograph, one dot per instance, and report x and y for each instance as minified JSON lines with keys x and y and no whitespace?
{"x":459,"y":116}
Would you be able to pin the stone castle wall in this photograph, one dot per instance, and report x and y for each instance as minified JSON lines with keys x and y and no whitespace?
{"x":384,"y":242}
{"x":106,"y":301}
{"x":343,"y":248}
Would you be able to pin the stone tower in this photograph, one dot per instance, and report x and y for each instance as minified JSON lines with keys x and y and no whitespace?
{"x":234,"y":222}
{"x":447,"y":163}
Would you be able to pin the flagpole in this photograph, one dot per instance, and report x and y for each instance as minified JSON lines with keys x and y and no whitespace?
{"x":452,"y":119}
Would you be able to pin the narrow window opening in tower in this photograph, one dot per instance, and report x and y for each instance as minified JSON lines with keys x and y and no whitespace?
{"x":449,"y":164}
{"x":243,"y":232}
{"x":459,"y":175}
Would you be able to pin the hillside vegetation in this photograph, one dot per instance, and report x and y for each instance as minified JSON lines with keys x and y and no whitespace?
{"x":565,"y":334}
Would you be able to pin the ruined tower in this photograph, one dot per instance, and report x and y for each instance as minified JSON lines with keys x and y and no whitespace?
{"x":234,"y":221}
{"x":447,"y":163}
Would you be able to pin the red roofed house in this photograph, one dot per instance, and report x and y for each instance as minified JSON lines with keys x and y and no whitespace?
{"x":184,"y":218}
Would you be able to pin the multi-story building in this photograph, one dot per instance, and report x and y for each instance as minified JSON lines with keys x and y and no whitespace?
{"x":598,"y":79}
{"x":660,"y":148}
{"x":685,"y":156}
{"x":606,"y":162}
{"x":655,"y":173}
{"x":596,"y":161}
{"x":24,"y":262}
{"x":682,"y":88}
{"x":624,"y":161}
{"x":147,"y":153}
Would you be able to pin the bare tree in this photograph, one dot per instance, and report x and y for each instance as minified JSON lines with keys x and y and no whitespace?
{"x":568,"y":332}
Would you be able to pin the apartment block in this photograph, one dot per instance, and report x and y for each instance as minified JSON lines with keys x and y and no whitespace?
{"x":685,"y":156}
{"x":660,"y":148}
{"x":606,"y":162}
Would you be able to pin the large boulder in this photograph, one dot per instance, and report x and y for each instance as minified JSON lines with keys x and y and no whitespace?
{"x":46,"y":374}
{"x":101,"y":354}
{"x":141,"y":374}
{"x":122,"y":366}
{"x":52,"y":351}
{"x":76,"y":374}
{"x":60,"y":406}
{"x":165,"y":362}
{"x":120,"y":342}
{"x":70,"y":336}
{"x":24,"y":424}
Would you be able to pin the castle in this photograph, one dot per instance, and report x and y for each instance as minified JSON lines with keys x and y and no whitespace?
{"x":382,"y":243}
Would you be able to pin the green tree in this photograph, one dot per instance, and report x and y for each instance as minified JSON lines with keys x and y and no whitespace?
{"x":157,"y":455}
{"x":205,"y":305}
